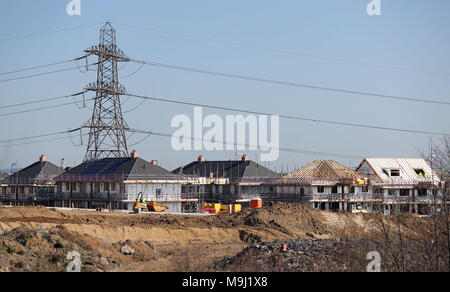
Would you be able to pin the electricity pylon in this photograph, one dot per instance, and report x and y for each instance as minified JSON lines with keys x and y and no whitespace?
{"x":107,"y":137}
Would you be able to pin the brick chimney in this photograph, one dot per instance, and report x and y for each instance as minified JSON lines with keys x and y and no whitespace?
{"x":42,"y":158}
{"x":245,"y":157}
{"x":201,"y":158}
{"x":134,"y":154}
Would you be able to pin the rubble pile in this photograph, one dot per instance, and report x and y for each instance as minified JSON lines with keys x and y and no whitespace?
{"x":302,"y":255}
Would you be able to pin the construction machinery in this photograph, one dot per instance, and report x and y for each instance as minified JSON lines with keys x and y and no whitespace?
{"x":155,"y":207}
{"x":142,"y":204}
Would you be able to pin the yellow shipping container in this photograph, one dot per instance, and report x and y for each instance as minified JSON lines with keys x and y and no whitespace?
{"x":211,"y":206}
{"x":216,"y":206}
{"x":224,"y":209}
{"x":237,"y":208}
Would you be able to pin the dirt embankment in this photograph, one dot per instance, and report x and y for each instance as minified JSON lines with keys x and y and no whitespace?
{"x":163,"y":242}
{"x":46,"y":250}
{"x":276,"y":221}
{"x":159,"y":242}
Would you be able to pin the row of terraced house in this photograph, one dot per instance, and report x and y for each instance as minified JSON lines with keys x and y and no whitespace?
{"x":388,"y":185}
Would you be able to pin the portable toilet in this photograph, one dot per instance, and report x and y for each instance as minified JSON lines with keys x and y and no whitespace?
{"x":256,"y":204}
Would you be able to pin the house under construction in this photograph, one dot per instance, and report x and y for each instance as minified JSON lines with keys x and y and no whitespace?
{"x":230,"y":181}
{"x":327,"y":185}
{"x":407,"y":185}
{"x":389,"y":185}
{"x":30,"y":185}
{"x":116,"y":183}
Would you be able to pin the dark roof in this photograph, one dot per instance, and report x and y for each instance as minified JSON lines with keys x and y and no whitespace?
{"x":227,"y":169}
{"x":127,"y":167}
{"x":42,"y":171}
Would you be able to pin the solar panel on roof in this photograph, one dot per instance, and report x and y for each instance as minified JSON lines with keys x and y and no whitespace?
{"x":114,"y":166}
{"x":95,"y":167}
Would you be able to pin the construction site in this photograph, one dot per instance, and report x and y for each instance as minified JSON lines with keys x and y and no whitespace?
{"x":37,"y":239}
{"x":392,"y":186}
{"x":119,"y":212}
{"x":322,"y":217}
{"x":111,"y":177}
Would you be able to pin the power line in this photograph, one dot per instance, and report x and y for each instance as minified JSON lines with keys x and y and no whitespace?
{"x":134,"y":108}
{"x":289,"y":116}
{"x":43,"y":74}
{"x":292,"y":84}
{"x":225,"y":109}
{"x":39,"y":136}
{"x":48,"y":32}
{"x":134,"y":72}
{"x":221,"y":74}
{"x":283,"y":149}
{"x":39,"y":141}
{"x":42,"y":108}
{"x":152,"y":133}
{"x":140,"y":141}
{"x":40,"y":66}
{"x":249,"y":46}
{"x":39,"y":74}
{"x":40,"y":100}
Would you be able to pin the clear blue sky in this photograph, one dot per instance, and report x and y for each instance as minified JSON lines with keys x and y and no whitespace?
{"x":412,"y":34}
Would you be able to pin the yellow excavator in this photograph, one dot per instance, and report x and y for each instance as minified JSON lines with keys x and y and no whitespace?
{"x":142,"y":204}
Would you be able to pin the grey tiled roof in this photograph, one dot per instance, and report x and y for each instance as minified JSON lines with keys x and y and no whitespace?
{"x":42,"y":171}
{"x":227,"y":169}
{"x":127,"y":167}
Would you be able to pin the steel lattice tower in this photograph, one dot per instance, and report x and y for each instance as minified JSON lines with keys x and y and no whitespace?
{"x":107,"y":137}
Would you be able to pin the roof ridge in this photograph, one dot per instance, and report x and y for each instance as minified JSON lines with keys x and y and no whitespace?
{"x":324,"y":168}
{"x":329,"y":167}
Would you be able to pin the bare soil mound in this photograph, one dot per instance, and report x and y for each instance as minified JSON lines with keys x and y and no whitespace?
{"x":38,"y":239}
{"x":32,"y":213}
{"x":45,"y":250}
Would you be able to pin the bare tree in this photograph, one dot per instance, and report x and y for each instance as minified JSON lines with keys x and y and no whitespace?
{"x":439,"y":158}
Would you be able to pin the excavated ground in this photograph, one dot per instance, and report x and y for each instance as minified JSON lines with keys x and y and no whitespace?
{"x":39,"y":239}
